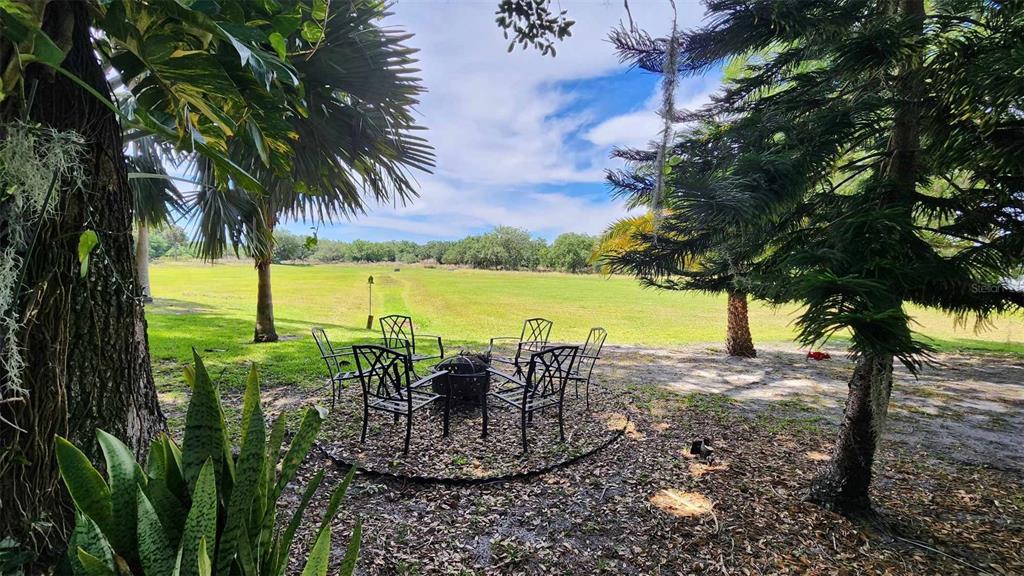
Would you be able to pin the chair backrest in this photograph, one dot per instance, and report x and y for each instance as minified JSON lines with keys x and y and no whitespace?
{"x":549,"y":371}
{"x":383,"y":372}
{"x":590,"y":352}
{"x":397,"y":331}
{"x":326,"y":351}
{"x":535,"y":334}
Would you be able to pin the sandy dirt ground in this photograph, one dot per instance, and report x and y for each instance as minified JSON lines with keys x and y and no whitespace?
{"x":967,"y":408}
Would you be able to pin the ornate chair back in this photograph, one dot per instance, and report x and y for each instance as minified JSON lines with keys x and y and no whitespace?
{"x":535,"y":335}
{"x":397,"y":332}
{"x":383,"y":372}
{"x":548,"y":373}
{"x":590,"y":353}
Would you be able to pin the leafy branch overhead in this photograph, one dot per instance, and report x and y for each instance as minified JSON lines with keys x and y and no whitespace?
{"x":532,"y":23}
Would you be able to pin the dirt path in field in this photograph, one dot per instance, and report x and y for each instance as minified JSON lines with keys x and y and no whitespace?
{"x":969,"y":408}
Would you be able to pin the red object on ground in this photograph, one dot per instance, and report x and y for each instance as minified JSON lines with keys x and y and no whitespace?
{"x":818,"y":355}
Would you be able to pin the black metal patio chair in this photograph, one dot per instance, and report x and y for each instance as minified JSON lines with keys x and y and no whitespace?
{"x":543,"y":387}
{"x":334,"y":358}
{"x":387,"y":387}
{"x":586,"y":359}
{"x":398,"y":332}
{"x":533,"y":338}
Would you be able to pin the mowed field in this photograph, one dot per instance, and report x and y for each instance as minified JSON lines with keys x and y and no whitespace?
{"x":212,"y":308}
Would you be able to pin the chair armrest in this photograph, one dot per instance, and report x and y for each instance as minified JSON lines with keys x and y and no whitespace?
{"x":504,"y":376}
{"x":426,"y":379}
{"x":394,"y":343}
{"x":440,"y":344}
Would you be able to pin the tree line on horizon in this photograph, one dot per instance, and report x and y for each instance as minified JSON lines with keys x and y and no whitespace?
{"x":503,"y":248}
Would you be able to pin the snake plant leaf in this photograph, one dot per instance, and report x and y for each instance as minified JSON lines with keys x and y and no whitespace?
{"x":168,"y":507}
{"x":299,"y":448}
{"x":249,"y":474}
{"x":204,"y":428}
{"x":88,"y":490}
{"x":336,"y":497}
{"x":319,"y":557}
{"x":125,"y":476}
{"x":283,"y":546}
{"x":203,"y":564}
{"x":348,"y":563}
{"x":87,"y":536}
{"x":201,"y":523}
{"x":93,"y":566}
{"x":156,"y":552}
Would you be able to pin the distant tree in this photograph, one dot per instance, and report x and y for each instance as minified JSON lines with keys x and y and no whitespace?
{"x":435,"y":249}
{"x":331,"y":251}
{"x":570,"y":252}
{"x":290,"y":247}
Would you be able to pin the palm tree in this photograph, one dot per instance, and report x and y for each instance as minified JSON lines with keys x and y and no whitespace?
{"x":156,"y":203}
{"x":881,"y":143}
{"x":356,"y":145}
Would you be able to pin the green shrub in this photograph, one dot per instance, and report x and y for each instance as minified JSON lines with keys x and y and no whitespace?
{"x":198,"y":510}
{"x":290,"y":247}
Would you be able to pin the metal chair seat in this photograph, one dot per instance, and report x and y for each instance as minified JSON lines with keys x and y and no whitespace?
{"x":514,"y":398}
{"x":400,"y":406}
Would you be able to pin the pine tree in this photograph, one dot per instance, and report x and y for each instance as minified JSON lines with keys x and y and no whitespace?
{"x":886,"y":157}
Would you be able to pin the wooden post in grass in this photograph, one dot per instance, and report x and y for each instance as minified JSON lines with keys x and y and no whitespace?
{"x":369,"y":310}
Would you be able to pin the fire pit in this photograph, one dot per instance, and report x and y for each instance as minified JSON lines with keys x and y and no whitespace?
{"x":467,"y":379}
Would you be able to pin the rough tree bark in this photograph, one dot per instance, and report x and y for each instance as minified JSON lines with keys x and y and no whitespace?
{"x":142,"y":261}
{"x":844,"y":483}
{"x":85,"y":338}
{"x":738,"y":341}
{"x":265,"y":330}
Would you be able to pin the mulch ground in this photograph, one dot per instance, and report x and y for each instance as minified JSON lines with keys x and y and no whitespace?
{"x":644,"y":506}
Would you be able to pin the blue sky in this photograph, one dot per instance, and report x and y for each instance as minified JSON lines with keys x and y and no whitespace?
{"x":521,"y":139}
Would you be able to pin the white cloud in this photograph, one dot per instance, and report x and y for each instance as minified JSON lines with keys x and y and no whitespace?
{"x":637,"y":129}
{"x":507,"y":128}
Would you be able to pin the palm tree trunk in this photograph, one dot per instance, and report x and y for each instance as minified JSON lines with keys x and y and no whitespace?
{"x":738,"y":341}
{"x":265,"y":330}
{"x":84,"y":339}
{"x":843,"y":484}
{"x":142,"y":261}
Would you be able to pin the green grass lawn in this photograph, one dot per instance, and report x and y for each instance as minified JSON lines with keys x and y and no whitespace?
{"x":212,"y":308}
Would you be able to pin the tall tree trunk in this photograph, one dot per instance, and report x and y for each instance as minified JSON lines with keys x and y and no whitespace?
{"x":843,"y":484}
{"x":84,"y":338}
{"x":142,"y":261}
{"x":265,"y":330}
{"x":738,"y":341}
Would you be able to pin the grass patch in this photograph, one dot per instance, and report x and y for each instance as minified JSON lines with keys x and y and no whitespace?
{"x":716,"y":404}
{"x":212,"y":308}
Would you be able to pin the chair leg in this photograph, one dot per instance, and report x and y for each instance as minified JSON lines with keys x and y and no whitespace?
{"x":522,"y":426}
{"x":483,"y":407}
{"x":561,"y":429}
{"x":408,"y":432}
{"x":447,"y":412}
{"x":586,"y":392}
{"x":366,"y":417}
